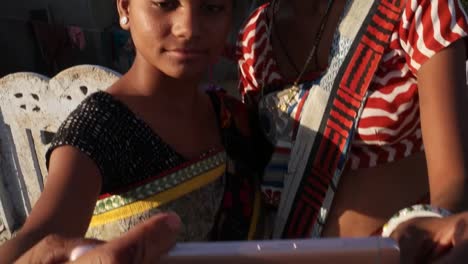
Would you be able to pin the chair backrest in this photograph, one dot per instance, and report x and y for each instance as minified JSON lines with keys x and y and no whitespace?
{"x":32,"y":108}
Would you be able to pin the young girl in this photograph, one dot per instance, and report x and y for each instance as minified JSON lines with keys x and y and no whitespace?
{"x":362,"y":84}
{"x":153,"y":141}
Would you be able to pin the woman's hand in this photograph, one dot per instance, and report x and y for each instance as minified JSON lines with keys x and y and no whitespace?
{"x":438,"y":240}
{"x":146,"y":243}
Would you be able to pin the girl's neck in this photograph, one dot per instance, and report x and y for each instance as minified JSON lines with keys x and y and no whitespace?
{"x":147,"y":82}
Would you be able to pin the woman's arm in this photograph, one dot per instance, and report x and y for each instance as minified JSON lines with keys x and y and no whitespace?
{"x":444,"y":110}
{"x":65,"y":206}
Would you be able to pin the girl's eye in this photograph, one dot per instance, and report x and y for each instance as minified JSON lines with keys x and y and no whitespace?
{"x":213,"y":8}
{"x":166,"y":5}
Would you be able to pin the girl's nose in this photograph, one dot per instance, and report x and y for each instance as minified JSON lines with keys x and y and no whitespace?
{"x":187,"y":23}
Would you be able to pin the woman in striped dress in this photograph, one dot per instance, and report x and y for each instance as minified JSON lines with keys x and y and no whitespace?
{"x":367,"y":94}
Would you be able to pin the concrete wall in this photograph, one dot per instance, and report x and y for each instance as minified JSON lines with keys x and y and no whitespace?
{"x":89,"y":14}
{"x":20,"y":51}
{"x":18,"y":47}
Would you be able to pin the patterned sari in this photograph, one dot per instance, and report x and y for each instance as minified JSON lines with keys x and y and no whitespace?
{"x":316,"y":120}
{"x":214,"y":194}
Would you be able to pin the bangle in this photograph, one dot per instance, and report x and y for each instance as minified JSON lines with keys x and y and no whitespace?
{"x":415,"y":211}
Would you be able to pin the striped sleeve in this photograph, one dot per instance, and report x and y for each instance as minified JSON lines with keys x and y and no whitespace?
{"x":429,"y":26}
{"x":254,"y":54}
{"x":246,"y":51}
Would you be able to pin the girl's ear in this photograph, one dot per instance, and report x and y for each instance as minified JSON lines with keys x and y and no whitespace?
{"x":123,"y":7}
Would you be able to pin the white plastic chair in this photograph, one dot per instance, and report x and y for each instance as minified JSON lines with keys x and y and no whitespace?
{"x":32,"y":108}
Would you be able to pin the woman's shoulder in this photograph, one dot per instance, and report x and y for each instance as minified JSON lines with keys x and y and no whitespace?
{"x":97,"y":127}
{"x":255,"y":21}
{"x":428,"y":26}
{"x":101,"y":111}
{"x":102,"y":102}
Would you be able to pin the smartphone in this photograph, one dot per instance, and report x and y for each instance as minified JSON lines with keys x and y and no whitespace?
{"x":317,"y":251}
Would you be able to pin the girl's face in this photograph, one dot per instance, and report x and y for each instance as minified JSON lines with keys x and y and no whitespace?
{"x":178,"y":37}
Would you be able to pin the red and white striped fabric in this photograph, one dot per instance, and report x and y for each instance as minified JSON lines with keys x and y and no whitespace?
{"x":389,"y":128}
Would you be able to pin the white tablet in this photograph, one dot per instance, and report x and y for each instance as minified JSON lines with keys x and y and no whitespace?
{"x":317,"y":251}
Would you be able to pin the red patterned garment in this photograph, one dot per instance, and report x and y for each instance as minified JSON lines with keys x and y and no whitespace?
{"x":389,"y":128}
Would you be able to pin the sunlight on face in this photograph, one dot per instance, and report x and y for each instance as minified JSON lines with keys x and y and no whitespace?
{"x":181,"y":38}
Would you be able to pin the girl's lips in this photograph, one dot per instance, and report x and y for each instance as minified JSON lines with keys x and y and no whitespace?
{"x":187,"y":54}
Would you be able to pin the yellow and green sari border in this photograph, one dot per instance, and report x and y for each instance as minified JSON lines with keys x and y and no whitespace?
{"x":160,"y":191}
